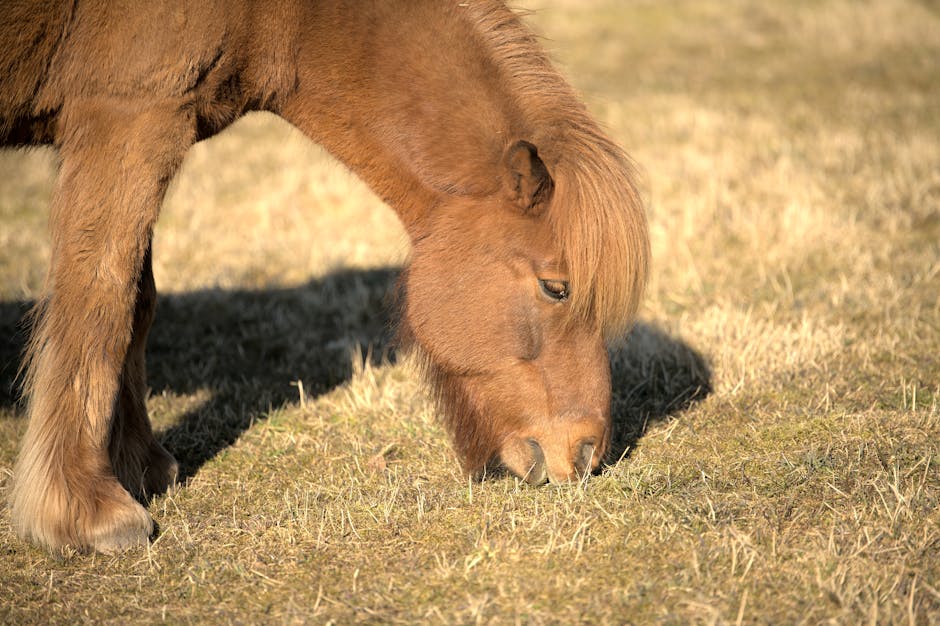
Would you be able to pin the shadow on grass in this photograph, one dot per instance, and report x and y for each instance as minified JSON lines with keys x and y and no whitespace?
{"x":245,"y":348}
{"x":239,"y":351}
{"x":653,"y":377}
{"x":248,"y":349}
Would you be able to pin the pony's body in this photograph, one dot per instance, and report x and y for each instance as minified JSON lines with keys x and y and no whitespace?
{"x":530,"y":244}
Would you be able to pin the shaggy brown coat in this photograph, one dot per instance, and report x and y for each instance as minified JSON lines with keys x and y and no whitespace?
{"x":530,"y":243}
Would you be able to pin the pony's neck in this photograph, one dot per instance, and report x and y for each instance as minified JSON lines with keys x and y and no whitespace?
{"x":408,"y":96}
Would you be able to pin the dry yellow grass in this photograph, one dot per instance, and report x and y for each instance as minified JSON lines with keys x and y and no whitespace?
{"x":778,"y":446}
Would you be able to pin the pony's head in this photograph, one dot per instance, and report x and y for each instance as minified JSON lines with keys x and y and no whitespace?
{"x":510,"y":297}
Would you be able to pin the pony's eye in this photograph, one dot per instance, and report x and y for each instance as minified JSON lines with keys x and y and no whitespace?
{"x":557,"y":290}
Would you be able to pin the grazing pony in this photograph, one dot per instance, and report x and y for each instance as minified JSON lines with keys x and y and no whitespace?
{"x":530,"y":246}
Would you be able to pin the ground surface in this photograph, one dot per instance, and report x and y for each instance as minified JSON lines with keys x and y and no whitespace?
{"x":777,"y":407}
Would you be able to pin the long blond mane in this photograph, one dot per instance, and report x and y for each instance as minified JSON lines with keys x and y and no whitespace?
{"x":596,"y":212}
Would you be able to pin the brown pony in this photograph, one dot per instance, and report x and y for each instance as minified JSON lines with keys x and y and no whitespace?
{"x":530,"y":246}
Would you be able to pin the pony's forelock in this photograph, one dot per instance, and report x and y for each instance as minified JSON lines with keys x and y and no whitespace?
{"x":596,"y":211}
{"x":598,"y":221}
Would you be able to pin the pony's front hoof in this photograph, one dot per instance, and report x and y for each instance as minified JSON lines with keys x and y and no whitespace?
{"x":145,"y":469}
{"x":102,"y":517}
{"x":120,"y":527}
{"x":161,"y":471}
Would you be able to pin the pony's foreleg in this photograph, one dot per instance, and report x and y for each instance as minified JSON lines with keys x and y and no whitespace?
{"x":140,"y":462}
{"x":116,"y":159}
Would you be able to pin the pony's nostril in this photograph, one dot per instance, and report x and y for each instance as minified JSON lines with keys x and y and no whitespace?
{"x":584,"y":459}
{"x":537,"y":473}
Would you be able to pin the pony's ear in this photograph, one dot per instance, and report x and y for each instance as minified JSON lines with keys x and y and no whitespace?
{"x":528,"y":183}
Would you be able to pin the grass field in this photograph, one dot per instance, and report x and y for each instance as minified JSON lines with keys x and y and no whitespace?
{"x":778,"y":431}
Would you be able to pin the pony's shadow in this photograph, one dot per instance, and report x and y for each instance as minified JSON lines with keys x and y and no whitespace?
{"x":654,"y":376}
{"x":238,"y":353}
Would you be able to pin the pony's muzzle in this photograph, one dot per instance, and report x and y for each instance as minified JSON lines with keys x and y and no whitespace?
{"x":585,"y":461}
{"x":537,"y":472}
{"x":558,"y":459}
